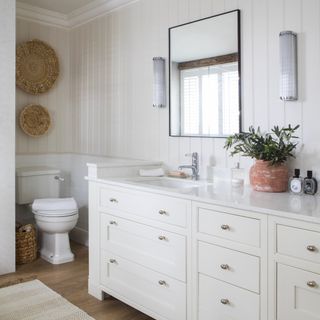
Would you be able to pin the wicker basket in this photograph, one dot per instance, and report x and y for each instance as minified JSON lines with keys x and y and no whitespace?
{"x":26,"y":244}
{"x":35,"y":120}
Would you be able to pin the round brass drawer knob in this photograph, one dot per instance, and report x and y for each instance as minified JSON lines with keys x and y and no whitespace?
{"x":311,"y":284}
{"x":224,"y":301}
{"x":312,"y":248}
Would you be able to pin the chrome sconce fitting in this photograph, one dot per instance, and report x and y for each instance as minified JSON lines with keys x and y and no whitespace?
{"x":159,"y":82}
{"x":288,"y":66}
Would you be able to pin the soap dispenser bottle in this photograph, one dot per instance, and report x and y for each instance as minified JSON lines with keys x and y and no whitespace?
{"x":310,"y":184}
{"x":296,"y":183}
{"x":237,"y":176}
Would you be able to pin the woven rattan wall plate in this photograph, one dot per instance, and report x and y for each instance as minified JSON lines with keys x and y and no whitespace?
{"x":35,"y":120}
{"x":37,"y":67}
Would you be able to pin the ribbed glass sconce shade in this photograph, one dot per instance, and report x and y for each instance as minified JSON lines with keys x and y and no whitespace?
{"x":159,"y":82}
{"x":288,"y":66}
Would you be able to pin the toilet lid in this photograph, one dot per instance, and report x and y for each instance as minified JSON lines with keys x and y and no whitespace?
{"x":62,"y":206}
{"x":55,"y":213}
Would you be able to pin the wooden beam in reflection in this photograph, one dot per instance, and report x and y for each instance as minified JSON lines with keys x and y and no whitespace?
{"x":227,"y":58}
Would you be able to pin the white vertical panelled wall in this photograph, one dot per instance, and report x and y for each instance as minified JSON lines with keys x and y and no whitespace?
{"x":7,"y":136}
{"x":102,"y":102}
{"x":56,"y":100}
{"x":111,"y":74}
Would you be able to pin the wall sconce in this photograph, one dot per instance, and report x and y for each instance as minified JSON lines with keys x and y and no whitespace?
{"x":159,"y":82}
{"x":288,"y":66}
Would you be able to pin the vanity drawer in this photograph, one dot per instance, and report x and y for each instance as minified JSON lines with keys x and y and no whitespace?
{"x":222,"y":301}
{"x":298,"y":243}
{"x":229,"y":226}
{"x":231,"y":266}
{"x":156,"y":249}
{"x":156,"y":207}
{"x":298,"y":294}
{"x":152,"y":290}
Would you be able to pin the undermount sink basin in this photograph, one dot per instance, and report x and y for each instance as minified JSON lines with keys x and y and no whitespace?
{"x":170,"y":183}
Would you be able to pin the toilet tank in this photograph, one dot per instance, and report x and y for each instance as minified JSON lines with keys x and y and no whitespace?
{"x":36,"y":183}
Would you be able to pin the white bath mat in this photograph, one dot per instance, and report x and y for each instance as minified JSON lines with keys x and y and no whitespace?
{"x":33,"y":300}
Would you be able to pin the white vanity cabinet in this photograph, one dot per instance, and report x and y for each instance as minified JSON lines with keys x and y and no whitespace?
{"x":139,"y":250}
{"x":230,"y":273}
{"x":294,"y":268}
{"x":182,"y":257}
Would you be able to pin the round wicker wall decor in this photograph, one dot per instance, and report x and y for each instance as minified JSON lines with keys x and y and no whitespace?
{"x":35,"y":120}
{"x":37,"y":67}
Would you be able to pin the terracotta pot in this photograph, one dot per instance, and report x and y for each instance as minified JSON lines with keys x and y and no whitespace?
{"x":265,"y":177}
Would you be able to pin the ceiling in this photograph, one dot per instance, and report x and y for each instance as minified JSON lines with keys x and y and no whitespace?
{"x":61,"y":6}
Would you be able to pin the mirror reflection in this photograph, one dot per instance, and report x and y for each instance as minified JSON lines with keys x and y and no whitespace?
{"x":205,"y":77}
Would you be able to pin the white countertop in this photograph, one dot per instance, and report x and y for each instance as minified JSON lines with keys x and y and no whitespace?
{"x":304,"y":207}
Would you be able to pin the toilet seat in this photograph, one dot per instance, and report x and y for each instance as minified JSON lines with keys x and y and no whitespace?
{"x":57,"y":220}
{"x":55,"y":213}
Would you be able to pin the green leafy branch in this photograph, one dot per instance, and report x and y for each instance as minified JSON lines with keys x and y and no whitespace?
{"x":275,"y":147}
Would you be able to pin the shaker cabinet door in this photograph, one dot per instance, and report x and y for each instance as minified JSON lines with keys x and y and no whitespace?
{"x":159,"y":250}
{"x":298,"y":296}
{"x":151,"y":290}
{"x":221,"y":301}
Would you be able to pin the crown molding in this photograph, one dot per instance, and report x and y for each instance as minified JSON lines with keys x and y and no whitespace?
{"x":39,"y":15}
{"x":75,"y":18}
{"x":94,"y":10}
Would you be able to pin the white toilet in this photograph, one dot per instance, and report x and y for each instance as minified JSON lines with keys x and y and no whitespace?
{"x":54,"y":216}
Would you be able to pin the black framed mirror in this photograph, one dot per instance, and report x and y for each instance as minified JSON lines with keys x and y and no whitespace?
{"x":205,"y":77}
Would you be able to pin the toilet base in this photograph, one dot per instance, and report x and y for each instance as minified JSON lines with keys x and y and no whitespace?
{"x":55,"y":247}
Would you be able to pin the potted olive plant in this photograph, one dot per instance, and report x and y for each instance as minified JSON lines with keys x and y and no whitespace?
{"x":271,"y":151}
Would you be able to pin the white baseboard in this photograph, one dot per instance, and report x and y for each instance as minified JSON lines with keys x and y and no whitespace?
{"x":80,"y":236}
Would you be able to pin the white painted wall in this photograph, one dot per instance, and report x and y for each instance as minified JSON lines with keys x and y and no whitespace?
{"x":109,"y":110}
{"x":7,"y":136}
{"x":57,"y":99}
{"x":112,"y":78}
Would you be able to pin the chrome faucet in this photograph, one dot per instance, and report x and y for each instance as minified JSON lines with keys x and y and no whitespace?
{"x":194,"y":166}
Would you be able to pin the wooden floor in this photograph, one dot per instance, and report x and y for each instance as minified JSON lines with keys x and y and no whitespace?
{"x":70,"y":280}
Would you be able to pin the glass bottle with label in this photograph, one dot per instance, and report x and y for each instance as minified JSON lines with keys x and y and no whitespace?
{"x":296,"y":183}
{"x":310,"y":184}
{"x":237,"y":176}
